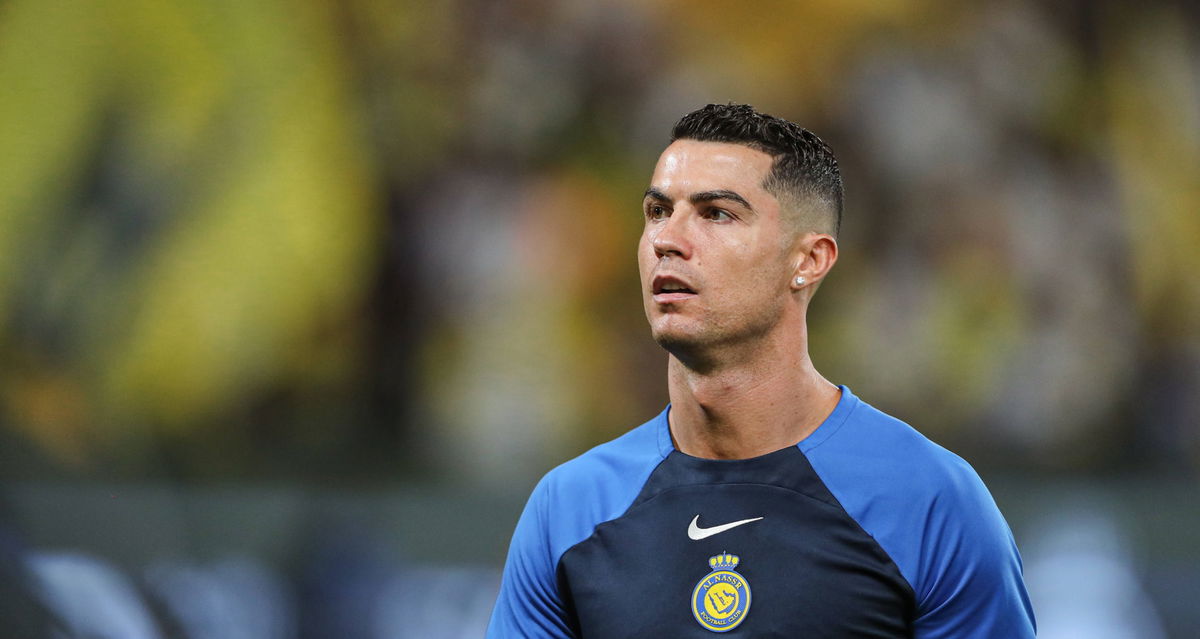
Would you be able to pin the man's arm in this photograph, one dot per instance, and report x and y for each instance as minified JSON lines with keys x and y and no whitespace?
{"x":973,"y":586}
{"x":530,"y":605}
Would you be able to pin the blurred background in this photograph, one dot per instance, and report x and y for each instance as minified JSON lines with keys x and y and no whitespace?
{"x":298,"y":299}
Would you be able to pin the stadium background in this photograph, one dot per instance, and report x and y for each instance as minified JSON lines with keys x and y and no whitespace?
{"x":298,"y":299}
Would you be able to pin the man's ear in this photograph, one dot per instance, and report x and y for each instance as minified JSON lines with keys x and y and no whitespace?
{"x":815,"y":255}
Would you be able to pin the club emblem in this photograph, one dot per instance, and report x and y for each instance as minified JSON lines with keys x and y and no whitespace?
{"x":722,"y":598}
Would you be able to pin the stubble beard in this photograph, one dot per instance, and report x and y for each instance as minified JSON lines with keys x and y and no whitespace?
{"x":712,"y":344}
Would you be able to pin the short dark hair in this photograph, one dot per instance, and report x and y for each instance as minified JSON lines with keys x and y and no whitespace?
{"x":804,"y":165}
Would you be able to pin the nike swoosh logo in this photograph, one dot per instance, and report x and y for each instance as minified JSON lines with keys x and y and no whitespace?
{"x":696,"y":533}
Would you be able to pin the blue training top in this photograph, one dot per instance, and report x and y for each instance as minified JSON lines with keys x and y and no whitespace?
{"x":864,"y":529}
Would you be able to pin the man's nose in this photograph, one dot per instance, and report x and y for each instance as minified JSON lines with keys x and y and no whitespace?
{"x":671,"y":236}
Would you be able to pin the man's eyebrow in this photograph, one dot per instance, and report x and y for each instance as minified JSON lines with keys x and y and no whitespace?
{"x":720,"y":194}
{"x":703,"y":196}
{"x":656,"y":194}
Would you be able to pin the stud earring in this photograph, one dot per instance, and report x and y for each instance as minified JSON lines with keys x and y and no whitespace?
{"x":800,"y":281}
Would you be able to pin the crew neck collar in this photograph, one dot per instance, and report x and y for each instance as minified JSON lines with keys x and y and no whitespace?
{"x":846,"y":404}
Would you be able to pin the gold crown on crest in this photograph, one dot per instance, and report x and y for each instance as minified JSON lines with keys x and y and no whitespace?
{"x":724,"y":561}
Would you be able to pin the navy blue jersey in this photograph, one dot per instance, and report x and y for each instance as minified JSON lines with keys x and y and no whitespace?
{"x":864,"y":529}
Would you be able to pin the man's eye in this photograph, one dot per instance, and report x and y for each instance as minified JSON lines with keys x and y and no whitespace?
{"x":656,"y":212}
{"x":719,"y":215}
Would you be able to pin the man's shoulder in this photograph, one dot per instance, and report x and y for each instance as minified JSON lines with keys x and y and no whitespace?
{"x":599,"y":485}
{"x":634,"y":453}
{"x":916,"y":498}
{"x":869,"y":444}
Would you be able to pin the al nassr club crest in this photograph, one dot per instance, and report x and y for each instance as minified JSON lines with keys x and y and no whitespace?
{"x":721,"y":599}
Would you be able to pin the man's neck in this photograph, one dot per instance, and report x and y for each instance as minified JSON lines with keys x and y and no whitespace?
{"x":750,"y":408}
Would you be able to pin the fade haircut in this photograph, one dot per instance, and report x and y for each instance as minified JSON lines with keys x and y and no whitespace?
{"x":804,"y":167}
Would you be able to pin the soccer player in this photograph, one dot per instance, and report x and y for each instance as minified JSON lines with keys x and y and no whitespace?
{"x":764,"y":501}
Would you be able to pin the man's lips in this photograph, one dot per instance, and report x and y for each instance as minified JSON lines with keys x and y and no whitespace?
{"x":670,"y":288}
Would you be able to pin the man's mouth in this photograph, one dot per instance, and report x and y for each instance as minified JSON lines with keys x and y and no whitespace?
{"x":667,"y":288}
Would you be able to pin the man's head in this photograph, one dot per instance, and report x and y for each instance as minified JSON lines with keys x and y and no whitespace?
{"x":804,"y":174}
{"x":740,"y":218}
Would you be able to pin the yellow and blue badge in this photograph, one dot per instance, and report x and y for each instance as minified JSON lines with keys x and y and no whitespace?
{"x":721,"y":600}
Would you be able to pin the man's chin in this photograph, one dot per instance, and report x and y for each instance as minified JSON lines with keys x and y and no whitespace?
{"x":677,"y":341}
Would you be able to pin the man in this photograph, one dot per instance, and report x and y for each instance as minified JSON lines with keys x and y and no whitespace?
{"x":764,"y":501}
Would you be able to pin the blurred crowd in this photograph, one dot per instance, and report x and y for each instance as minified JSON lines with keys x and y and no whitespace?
{"x":365,"y":238}
{"x":366,"y":241}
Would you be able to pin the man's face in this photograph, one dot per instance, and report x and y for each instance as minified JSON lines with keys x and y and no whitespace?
{"x":713,"y":256}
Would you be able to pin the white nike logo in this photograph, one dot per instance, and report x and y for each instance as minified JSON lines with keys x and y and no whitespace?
{"x":696,"y":533}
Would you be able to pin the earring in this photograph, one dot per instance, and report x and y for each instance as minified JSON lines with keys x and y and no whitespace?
{"x":800,"y":281}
